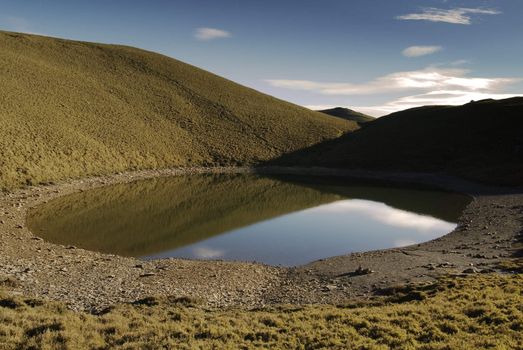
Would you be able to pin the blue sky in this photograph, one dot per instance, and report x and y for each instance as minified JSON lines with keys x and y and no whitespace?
{"x":376,"y":56}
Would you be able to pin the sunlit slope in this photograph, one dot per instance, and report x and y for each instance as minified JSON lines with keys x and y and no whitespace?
{"x":482,"y":140}
{"x":74,"y":108}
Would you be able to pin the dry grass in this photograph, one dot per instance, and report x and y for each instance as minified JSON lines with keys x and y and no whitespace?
{"x":73,"y":109}
{"x":478,"y":312}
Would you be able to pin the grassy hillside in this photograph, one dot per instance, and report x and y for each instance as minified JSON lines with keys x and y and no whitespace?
{"x":72,"y":108}
{"x":482,"y":141}
{"x":450,"y":314}
{"x":348,"y":114}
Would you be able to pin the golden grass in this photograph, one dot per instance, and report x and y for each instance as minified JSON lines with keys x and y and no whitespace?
{"x":72,"y":109}
{"x":477,"y":312}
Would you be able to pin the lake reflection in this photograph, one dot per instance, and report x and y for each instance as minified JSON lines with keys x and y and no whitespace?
{"x":287,"y":221}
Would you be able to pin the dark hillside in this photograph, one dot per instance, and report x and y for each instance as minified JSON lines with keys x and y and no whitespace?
{"x":480,"y":140}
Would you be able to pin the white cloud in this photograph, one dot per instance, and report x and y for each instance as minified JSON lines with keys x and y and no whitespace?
{"x":429,"y":86}
{"x":430,"y":78}
{"x":211,"y":33}
{"x":455,"y":16}
{"x":416,"y":51}
{"x":438,"y":97}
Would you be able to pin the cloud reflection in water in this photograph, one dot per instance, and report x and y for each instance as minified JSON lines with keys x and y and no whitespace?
{"x":387,"y":215}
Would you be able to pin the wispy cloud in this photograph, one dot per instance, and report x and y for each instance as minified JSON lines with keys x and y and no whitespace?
{"x":205,"y":33}
{"x":459,"y":62}
{"x":460,"y":15}
{"x":417,"y":51}
{"x":434,"y":85}
{"x":430,"y":78}
{"x":438,"y":97}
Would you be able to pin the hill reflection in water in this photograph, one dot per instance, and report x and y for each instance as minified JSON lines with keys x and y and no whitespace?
{"x":286,"y":221}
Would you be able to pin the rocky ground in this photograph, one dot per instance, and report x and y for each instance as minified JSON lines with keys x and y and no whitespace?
{"x":489,"y":231}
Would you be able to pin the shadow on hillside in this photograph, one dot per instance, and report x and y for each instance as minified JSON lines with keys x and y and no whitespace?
{"x":343,"y":153}
{"x":481,"y":141}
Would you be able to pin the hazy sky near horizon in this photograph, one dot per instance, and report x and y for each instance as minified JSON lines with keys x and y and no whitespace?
{"x":376,"y":56}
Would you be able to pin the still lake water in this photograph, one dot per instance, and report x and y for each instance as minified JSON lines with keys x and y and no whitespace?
{"x":274,"y":220}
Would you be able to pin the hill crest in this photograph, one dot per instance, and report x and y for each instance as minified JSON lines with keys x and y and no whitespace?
{"x":348,"y":114}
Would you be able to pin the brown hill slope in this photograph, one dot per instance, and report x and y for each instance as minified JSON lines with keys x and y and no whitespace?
{"x":71,"y":109}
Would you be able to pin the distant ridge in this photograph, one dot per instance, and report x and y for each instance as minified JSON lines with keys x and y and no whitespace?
{"x":73,"y":109}
{"x":348,"y":114}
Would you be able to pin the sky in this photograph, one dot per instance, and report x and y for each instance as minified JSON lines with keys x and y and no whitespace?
{"x":375,"y":56}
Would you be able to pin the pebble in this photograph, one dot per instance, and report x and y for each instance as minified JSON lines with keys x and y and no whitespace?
{"x":470,"y":270}
{"x":147,"y":274}
{"x":329,"y":287}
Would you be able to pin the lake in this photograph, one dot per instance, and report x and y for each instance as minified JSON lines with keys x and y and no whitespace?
{"x":278,"y":220}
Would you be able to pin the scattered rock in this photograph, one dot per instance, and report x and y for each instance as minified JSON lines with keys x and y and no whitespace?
{"x":329,"y":288}
{"x":363,"y":271}
{"x":147,"y":274}
{"x":446,"y":264}
{"x":479,"y":256}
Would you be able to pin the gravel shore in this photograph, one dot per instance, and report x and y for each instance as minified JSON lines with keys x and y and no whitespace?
{"x":489,"y":231}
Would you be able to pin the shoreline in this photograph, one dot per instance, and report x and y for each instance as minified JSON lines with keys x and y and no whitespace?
{"x":487,"y":233}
